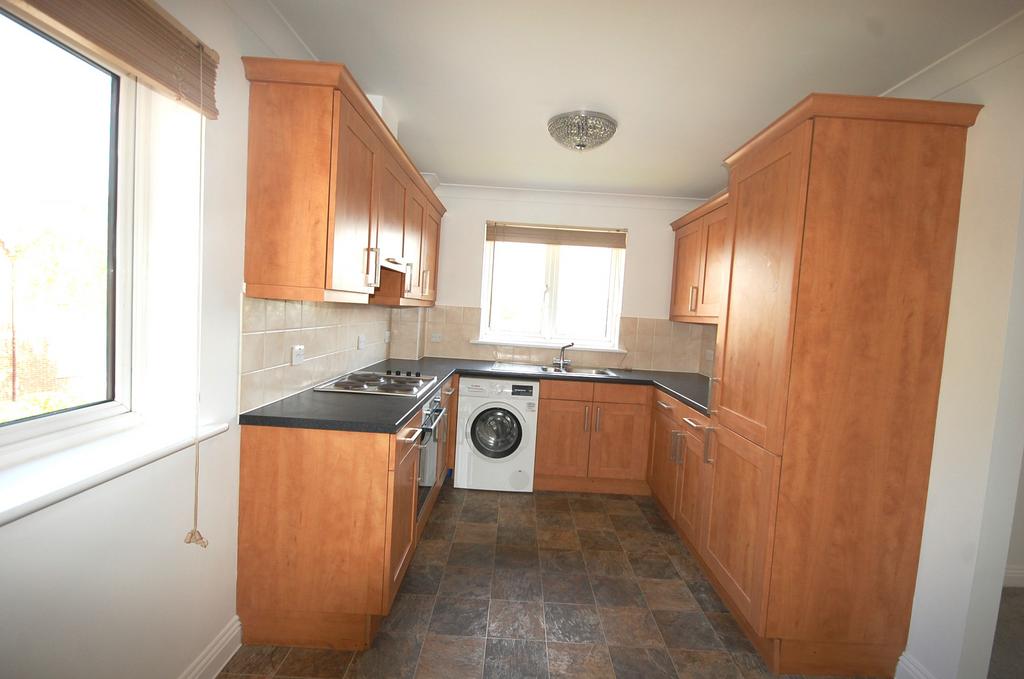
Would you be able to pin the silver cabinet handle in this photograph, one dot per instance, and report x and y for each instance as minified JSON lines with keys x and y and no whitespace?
{"x":412,"y":438}
{"x":666,"y":406}
{"x":408,"y":277}
{"x":693,"y":423}
{"x":711,"y":394}
{"x":673,"y":456}
{"x":449,"y":391}
{"x":708,"y":431}
{"x":586,"y":418}
{"x":693,"y":298}
{"x":373,"y":272}
{"x":597,"y":420}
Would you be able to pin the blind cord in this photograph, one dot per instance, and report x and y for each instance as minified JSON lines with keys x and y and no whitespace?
{"x":194,"y":537}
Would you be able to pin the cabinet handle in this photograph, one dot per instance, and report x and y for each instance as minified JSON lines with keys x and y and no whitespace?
{"x":408,"y":277}
{"x":662,"y":404}
{"x":373,"y":272}
{"x":693,"y":298}
{"x":412,"y":438}
{"x":586,"y":418}
{"x":673,"y":455}
{"x":693,"y":423}
{"x":711,"y":394}
{"x":449,"y":391}
{"x":597,"y":420}
{"x":708,"y":432}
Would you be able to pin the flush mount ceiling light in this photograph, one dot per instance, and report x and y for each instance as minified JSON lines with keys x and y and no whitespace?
{"x":581,"y":130}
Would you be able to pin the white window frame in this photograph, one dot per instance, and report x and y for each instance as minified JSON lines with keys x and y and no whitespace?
{"x":114,"y":414}
{"x":547,"y":337}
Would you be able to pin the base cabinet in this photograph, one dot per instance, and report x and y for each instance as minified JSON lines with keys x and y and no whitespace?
{"x":690,"y":483}
{"x":402,"y":508}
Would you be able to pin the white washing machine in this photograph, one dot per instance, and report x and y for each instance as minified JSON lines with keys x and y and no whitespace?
{"x":497,"y":434}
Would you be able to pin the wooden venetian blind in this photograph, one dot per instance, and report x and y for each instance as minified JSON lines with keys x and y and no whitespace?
{"x":137,"y":36}
{"x":556,"y":235}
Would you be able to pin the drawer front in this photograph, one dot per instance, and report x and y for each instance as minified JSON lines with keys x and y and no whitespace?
{"x":622,"y":393}
{"x":686,"y":417}
{"x":567,"y":390}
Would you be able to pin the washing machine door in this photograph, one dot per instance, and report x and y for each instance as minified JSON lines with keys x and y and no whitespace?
{"x":496,"y":432}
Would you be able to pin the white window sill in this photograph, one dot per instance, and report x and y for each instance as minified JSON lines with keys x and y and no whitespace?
{"x":544,"y":345}
{"x":28,"y":485}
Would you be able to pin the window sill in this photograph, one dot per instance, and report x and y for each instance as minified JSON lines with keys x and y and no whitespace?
{"x":26,"y":486}
{"x":545,"y":345}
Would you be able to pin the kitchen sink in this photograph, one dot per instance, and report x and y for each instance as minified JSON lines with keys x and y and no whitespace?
{"x":596,"y":372}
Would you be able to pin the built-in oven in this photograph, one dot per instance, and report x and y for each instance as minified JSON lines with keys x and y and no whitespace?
{"x":432,"y":445}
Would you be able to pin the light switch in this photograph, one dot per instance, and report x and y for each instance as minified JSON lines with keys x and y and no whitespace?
{"x":361,"y":342}
{"x":298,"y":353}
{"x":435,"y":337}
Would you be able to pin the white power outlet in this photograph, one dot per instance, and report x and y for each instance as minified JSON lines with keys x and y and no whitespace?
{"x":435,"y":337}
{"x":361,"y":342}
{"x":298,"y":353}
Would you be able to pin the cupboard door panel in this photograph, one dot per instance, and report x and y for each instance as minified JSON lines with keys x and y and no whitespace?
{"x":403,"y":514}
{"x":767,"y":193}
{"x":354,"y":204}
{"x":412,"y":241}
{"x":390,"y":211}
{"x":428,"y":255}
{"x":619,"y":441}
{"x":716,"y":257}
{"x":663,"y":469}
{"x":563,"y":438}
{"x":686,"y":270}
{"x":743,"y":486}
{"x":689,"y":488}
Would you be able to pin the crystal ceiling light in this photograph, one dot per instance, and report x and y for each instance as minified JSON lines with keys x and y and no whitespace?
{"x":581,"y":130}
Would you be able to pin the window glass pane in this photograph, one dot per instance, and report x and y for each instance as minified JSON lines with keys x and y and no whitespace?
{"x":584,"y":284}
{"x":518,"y":288}
{"x":56,"y":197}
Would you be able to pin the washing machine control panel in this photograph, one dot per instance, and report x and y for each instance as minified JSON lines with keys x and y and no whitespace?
{"x":522,"y":390}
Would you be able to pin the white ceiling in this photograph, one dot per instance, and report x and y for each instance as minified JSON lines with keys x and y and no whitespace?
{"x":474,"y":83}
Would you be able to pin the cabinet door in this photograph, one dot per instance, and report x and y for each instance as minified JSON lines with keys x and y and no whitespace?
{"x":716,"y":256}
{"x":767,"y":194}
{"x":742,"y":497}
{"x":689,"y":487}
{"x":390,"y":211}
{"x":663,"y":468}
{"x":686,"y":270}
{"x":355,"y":204}
{"x":403,"y":511}
{"x":428,"y":255}
{"x":563,"y":438}
{"x":412,"y":241}
{"x":618,"y":444}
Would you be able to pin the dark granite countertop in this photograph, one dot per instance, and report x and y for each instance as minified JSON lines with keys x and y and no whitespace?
{"x":386,"y":414}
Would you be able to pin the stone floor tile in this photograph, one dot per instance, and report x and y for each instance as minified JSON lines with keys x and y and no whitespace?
{"x":451,"y":658}
{"x":572,"y":624}
{"x":558,"y":538}
{"x":555,"y":519}
{"x":466,"y":582}
{"x":586,"y":504}
{"x":409,"y":616}
{"x":257,"y":660}
{"x":515,"y":516}
{"x":422,"y":579}
{"x":730,"y":633}
{"x":640,"y":542}
{"x":567,"y":588}
{"x":579,"y":661}
{"x":520,"y":584}
{"x":547,"y":502}
{"x":654,"y":566}
{"x":667,"y":595}
{"x":641,"y":663}
{"x":704,"y":665}
{"x":688,"y":630}
{"x":459,"y":617}
{"x":622,"y":592}
{"x":629,"y":522}
{"x":515,"y":659}
{"x":614,"y":564}
{"x":706,"y":597}
{"x":592,"y":520}
{"x":514,"y":534}
{"x":389,"y":658}
{"x":597,"y":539}
{"x":632,"y":627}
{"x":431,"y":553}
{"x":471,"y":554}
{"x":479,"y":513}
{"x":438,"y":530}
{"x":515,"y":556}
{"x":516,"y":620}
{"x":315,"y":663}
{"x":483,"y":533}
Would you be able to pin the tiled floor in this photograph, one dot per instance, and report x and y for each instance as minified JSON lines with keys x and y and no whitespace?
{"x":512,"y":585}
{"x":1008,"y":648}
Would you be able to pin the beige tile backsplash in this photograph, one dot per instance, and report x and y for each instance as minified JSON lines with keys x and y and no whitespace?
{"x":329,"y":332}
{"x":649,"y":344}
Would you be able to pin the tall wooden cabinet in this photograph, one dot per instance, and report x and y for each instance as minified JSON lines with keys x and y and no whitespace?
{"x":335,"y":209}
{"x":843,"y":218}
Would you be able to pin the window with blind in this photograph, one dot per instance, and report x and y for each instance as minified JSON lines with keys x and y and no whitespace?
{"x":551,"y":285}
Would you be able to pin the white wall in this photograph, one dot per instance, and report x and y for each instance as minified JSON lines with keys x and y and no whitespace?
{"x":979,"y":431}
{"x":648,"y":248}
{"x":101,"y":584}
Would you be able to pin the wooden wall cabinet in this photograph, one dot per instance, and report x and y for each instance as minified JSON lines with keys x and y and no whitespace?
{"x":592,"y":436}
{"x":335,"y":209}
{"x":700,"y":269}
{"x":327,"y":529}
{"x":843,"y":219}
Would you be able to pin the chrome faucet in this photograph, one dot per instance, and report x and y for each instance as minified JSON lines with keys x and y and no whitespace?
{"x":562,"y":362}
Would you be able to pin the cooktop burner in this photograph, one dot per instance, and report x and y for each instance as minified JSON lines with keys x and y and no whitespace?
{"x":389,"y":383}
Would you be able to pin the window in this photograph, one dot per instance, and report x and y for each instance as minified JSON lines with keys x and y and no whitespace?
{"x":552,"y":285}
{"x":58,"y":236}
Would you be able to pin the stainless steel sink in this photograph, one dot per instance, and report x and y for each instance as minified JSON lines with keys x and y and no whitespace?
{"x":596,"y":372}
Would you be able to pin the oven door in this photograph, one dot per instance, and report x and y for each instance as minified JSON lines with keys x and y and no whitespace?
{"x":433,"y":432}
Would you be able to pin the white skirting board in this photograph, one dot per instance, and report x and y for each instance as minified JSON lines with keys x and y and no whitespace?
{"x":909,"y":668}
{"x":1014,"y":576}
{"x":216,"y":655}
